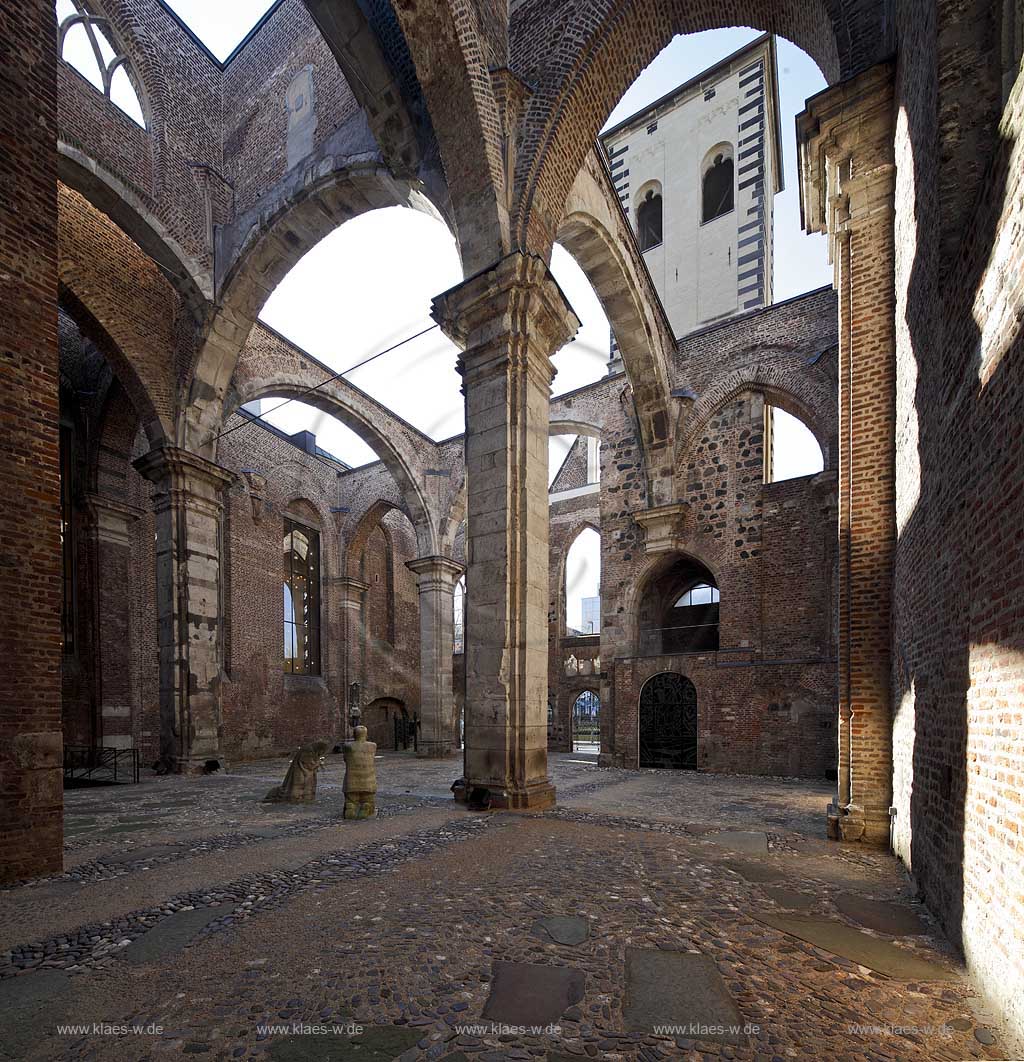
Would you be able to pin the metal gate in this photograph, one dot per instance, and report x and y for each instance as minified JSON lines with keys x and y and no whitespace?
{"x":668,"y":722}
{"x":586,"y":725}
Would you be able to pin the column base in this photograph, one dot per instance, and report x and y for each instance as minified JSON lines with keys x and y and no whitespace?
{"x":853,"y":822}
{"x":435,"y":750}
{"x":536,"y":797}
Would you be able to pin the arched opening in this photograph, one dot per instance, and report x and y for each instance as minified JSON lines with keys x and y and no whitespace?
{"x":583,"y":584}
{"x":302,"y":594}
{"x":109,"y":714}
{"x":386,"y":722}
{"x":459,"y":616}
{"x":713,"y":113}
{"x":668,"y":722}
{"x":586,"y":723}
{"x":649,"y":222}
{"x":790,"y":448}
{"x":679,"y":610}
{"x":717,"y":183}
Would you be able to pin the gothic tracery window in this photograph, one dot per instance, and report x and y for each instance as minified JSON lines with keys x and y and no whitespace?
{"x":301,"y":599}
{"x":85,"y":41}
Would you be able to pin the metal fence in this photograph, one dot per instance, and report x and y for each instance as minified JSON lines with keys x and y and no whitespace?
{"x":100,"y":764}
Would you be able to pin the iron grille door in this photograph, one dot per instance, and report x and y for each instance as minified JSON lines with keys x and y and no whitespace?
{"x":668,"y":722}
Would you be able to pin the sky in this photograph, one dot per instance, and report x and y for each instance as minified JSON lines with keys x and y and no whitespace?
{"x":220,"y":24}
{"x":369,"y":284}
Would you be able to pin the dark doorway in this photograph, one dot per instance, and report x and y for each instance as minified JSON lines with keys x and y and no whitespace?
{"x":668,"y":722}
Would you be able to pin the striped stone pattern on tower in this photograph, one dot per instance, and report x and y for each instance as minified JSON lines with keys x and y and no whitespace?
{"x":750,"y":173}
{"x":620,"y":174}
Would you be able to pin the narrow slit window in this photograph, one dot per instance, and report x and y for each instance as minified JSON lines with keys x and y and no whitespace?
{"x":649,"y":220}
{"x":718,"y":197}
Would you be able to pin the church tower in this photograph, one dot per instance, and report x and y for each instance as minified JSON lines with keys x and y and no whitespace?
{"x":697,"y":173}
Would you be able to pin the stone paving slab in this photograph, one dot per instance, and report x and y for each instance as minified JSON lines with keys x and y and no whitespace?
{"x":790,"y":898}
{"x":563,"y":929}
{"x":24,"y":1003}
{"x":680,"y":989}
{"x":859,"y":947}
{"x":376,"y":1043}
{"x":171,"y":934}
{"x":527,"y":994}
{"x":757,"y":872}
{"x":883,"y":917}
{"x":745,"y":841}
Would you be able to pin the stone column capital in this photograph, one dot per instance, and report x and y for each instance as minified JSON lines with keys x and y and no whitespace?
{"x":351,"y":590}
{"x":845,"y":151}
{"x":435,"y":573}
{"x":111,"y":520}
{"x":181,"y":475}
{"x":516,"y":297}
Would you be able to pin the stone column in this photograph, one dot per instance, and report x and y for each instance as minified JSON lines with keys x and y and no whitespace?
{"x":350,"y":601}
{"x":845,"y":142}
{"x":111,"y":529}
{"x":31,"y":796}
{"x":435,"y":579}
{"x":509,"y":320}
{"x":188,"y":506}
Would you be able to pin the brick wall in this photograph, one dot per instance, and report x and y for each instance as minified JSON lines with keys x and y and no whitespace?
{"x":30,"y":737}
{"x":958,"y":630}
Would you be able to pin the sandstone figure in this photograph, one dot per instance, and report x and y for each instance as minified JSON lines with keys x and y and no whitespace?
{"x":360,"y":776}
{"x":299,"y":785}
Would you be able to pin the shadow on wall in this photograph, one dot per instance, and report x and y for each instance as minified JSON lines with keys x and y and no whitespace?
{"x":958,"y":630}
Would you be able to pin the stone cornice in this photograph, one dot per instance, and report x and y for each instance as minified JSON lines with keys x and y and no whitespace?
{"x":845,"y":147}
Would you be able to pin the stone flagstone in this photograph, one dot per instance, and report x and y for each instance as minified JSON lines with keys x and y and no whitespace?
{"x":681,"y":989}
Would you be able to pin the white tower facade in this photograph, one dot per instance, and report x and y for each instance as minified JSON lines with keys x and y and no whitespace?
{"x":697,"y":173}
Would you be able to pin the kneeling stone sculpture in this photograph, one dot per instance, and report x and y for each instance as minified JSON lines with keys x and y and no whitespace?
{"x":360,"y":776}
{"x":299,"y":785}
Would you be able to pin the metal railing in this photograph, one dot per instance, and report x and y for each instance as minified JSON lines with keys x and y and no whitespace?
{"x":101,"y":764}
{"x":657,"y":635}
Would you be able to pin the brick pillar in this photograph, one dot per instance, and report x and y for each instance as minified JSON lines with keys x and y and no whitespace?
{"x":188,"y":506}
{"x":350,"y":613}
{"x":435,"y":579}
{"x":847,"y":190}
{"x":111,"y":530}
{"x":31,"y":797}
{"x":509,"y":320}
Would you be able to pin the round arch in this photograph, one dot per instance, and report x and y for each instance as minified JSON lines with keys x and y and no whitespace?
{"x":259,"y":250}
{"x":596,"y":233}
{"x":562,"y":602}
{"x":370,"y":520}
{"x":654,"y":568}
{"x":111,"y":347}
{"x":566,"y":110}
{"x":795,"y":393}
{"x":400,"y":460}
{"x":668,"y":722}
{"x":126,"y":209}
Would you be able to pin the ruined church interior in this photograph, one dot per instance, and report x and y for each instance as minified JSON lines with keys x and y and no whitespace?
{"x":513,"y":524}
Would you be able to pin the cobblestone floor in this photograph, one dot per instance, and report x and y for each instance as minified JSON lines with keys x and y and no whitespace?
{"x":397,"y":922}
